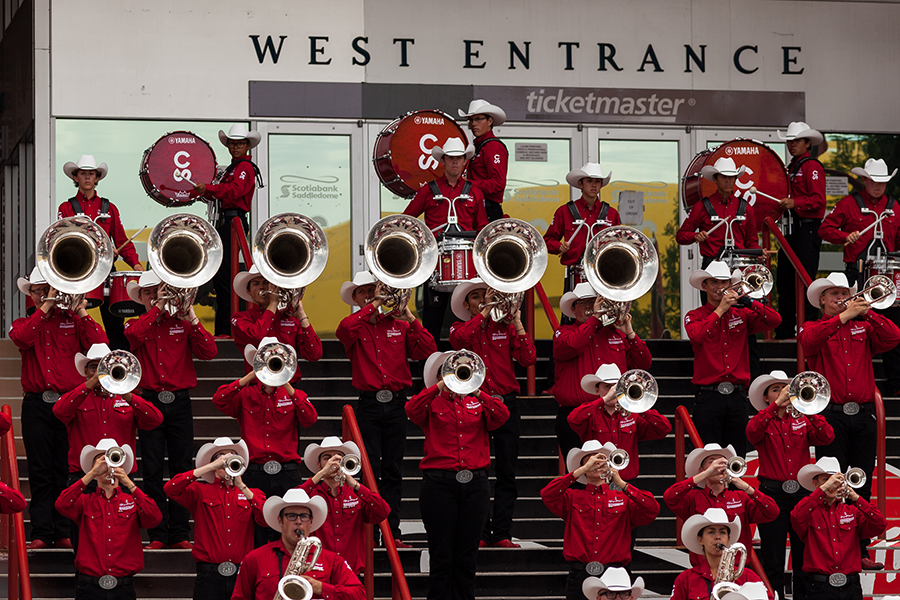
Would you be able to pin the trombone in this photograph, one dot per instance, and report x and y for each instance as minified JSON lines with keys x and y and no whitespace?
{"x":809,"y":393}
{"x":463,"y":372}
{"x":636,"y":392}
{"x":879,"y":291}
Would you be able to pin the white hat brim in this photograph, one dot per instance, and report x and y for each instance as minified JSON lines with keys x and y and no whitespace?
{"x":69,"y":169}
{"x":24,"y":285}
{"x":574,"y":177}
{"x":814,"y":136}
{"x":594,"y":585}
{"x":573,"y":459}
{"x":696,"y":523}
{"x":698,"y":277}
{"x":709,"y":172}
{"x":86,"y":460}
{"x":820,"y":286}
{"x":494,"y":112}
{"x":460,"y":293}
{"x":758,"y":390}
{"x":274,"y":506}
{"x":312,"y":452}
{"x":876,"y":178}
{"x":438,"y":152}
{"x":206,"y":452}
{"x":431,"y":372}
{"x":254,"y":137}
{"x":240,"y":285}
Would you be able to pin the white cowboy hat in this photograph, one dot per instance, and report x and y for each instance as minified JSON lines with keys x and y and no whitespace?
{"x":573,"y":459}
{"x":876,"y":170}
{"x":461,"y":293}
{"x":207,"y":451}
{"x":240,"y":283}
{"x":717,"y":269}
{"x":239,"y":131}
{"x":333,"y":443}
{"x":826,"y":464}
{"x":761,"y":384}
{"x":295,"y":497}
{"x":723,"y":166}
{"x":147,"y":279}
{"x":754,"y":590}
{"x":250,"y":349}
{"x":432,"y":371}
{"x":85,"y":163}
{"x":607,"y":373}
{"x":348,"y":288}
{"x":453,"y":147}
{"x":614,"y":579}
{"x":581,"y":291}
{"x":823,"y":284}
{"x":96,"y":352}
{"x":483,"y":107}
{"x":696,"y":523}
{"x":588,"y":170}
{"x":800,"y":130}
{"x":698,"y":455}
{"x":88,"y":453}
{"x":24,"y":284}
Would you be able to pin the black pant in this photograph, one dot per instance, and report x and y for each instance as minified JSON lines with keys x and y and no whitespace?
{"x":435,"y":310}
{"x":209,"y":585}
{"x":115,"y":328}
{"x":722,"y":419}
{"x":565,"y":437}
{"x":177,"y":434}
{"x":91,"y":590}
{"x":46,"y":454}
{"x":505,"y":442}
{"x":222,"y":278}
{"x":383,"y":428}
{"x":454,"y":515}
{"x":493,"y":209}
{"x":806,"y":244}
{"x":772,"y":537}
{"x":820,"y":590}
{"x":271,"y":485}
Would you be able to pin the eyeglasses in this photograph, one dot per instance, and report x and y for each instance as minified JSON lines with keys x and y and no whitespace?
{"x":621,"y":595}
{"x":476,"y":119}
{"x":43,"y":291}
{"x":236,"y":143}
{"x":304,"y":517}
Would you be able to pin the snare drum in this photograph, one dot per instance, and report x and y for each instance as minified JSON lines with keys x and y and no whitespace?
{"x":888,"y":267}
{"x":402,"y":155}
{"x":171,"y":161}
{"x":120,"y":305}
{"x":456,"y":263}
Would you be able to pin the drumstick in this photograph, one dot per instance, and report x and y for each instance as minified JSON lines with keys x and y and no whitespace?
{"x":717,"y":225}
{"x":178,"y":173}
{"x":765,"y":195}
{"x":864,"y":231}
{"x":119,"y":249}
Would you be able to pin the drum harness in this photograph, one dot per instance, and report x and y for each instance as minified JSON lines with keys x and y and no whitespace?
{"x":452,"y":224}
{"x":104,"y":208}
{"x":877,"y":243}
{"x":741,"y":215}
{"x":215,"y":206}
{"x":787,"y":220}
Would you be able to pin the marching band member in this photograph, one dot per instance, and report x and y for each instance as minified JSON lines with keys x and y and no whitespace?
{"x":295,"y":517}
{"x":615,"y":584}
{"x":215,"y":498}
{"x":468,"y":202}
{"x":804,"y":209}
{"x":268,"y":418}
{"x":379,"y":348}
{"x":718,"y":331}
{"x":782,"y":442}
{"x":455,"y":495}
{"x":488,"y":167}
{"x":840,"y":347}
{"x":706,"y":536}
{"x":832,"y":530}
{"x":705,"y":487}
{"x":581,"y":347}
{"x":497,"y":344}
{"x":350,"y":504}
{"x":234,"y":194}
{"x":263,"y":319}
{"x":109,"y":519}
{"x":601,"y":420}
{"x":599,"y":518}
{"x":48,"y":341}
{"x":165,"y":346}
{"x":561,"y":236}
{"x":86,"y":174}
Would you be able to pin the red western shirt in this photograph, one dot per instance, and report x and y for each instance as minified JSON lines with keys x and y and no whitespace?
{"x":563,"y":226}
{"x":591,"y":421}
{"x":223,"y":517}
{"x":268,"y":420}
{"x":720,"y":344}
{"x":90,"y":417}
{"x":487,"y":169}
{"x":112,"y":224}
{"x":164,"y":345}
{"x":832,"y":533}
{"x":11,"y":501}
{"x":456,"y":429}
{"x":237,"y":187}
{"x":380,"y":352}
{"x":843,"y":353}
{"x":696,"y":583}
{"x":598,"y":520}
{"x":497,"y":344}
{"x":807,"y":188}
{"x":48,"y":344}
{"x":699,"y":219}
{"x":109,"y":529}
{"x":252,"y":325}
{"x":259,"y":575}
{"x":343,"y":531}
{"x":783,"y":442}
{"x":847,"y":218}
{"x":470,"y":212}
{"x":580,"y":349}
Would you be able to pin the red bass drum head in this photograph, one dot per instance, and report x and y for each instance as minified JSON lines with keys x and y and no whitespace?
{"x":174,"y":159}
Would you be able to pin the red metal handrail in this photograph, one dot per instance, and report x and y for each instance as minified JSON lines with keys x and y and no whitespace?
{"x":399,"y":588}
{"x":13,"y":530}
{"x":238,"y":247}
{"x":531,"y":386}
{"x":881,"y":456}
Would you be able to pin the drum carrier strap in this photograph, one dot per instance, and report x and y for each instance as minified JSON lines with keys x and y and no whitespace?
{"x":234,"y":164}
{"x":436,"y":192}
{"x":104,"y":207}
{"x":576,"y":216}
{"x":864,"y":253}
{"x":707,"y":203}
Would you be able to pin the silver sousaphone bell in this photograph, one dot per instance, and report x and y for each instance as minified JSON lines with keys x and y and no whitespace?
{"x":275,"y":364}
{"x":463,"y":372}
{"x":621,"y":263}
{"x":75,"y":256}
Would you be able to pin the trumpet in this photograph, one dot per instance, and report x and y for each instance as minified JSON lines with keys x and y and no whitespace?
{"x":854,"y":478}
{"x":621,"y":263}
{"x":463,"y":372}
{"x":235,"y":466}
{"x":756,"y":282}
{"x":351,"y":465}
{"x":115,"y":457}
{"x":275,"y":364}
{"x":735,"y":467}
{"x":617,"y":460}
{"x":809,"y":393}
{"x":75,"y":256}
{"x":879,"y":291}
{"x":401,"y":253}
{"x":119,"y":372}
{"x":636,"y":392}
{"x":292,"y":586}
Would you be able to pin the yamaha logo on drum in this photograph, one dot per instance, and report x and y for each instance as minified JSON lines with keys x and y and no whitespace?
{"x":182,"y":140}
{"x":428,"y":120}
{"x":732,"y":150}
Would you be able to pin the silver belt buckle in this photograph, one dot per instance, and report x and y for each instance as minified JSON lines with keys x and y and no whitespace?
{"x":108,"y":582}
{"x":273,"y":467}
{"x":725,"y":388}
{"x":166,"y":397}
{"x":464,"y":476}
{"x":851,"y":408}
{"x":227,"y":569}
{"x":837,"y":580}
{"x":50,"y":396}
{"x":384,"y":396}
{"x":594,"y":568}
{"x":790,"y":487}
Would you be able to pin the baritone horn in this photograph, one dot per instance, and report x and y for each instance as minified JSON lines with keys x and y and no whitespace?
{"x":636,"y":391}
{"x":809,"y":393}
{"x":756,"y":282}
{"x":185,"y":251}
{"x":305,"y":556}
{"x":621,"y":263}
{"x":463,"y":372}
{"x":75,"y":256}
{"x":275,"y":364}
{"x":119,"y":372}
{"x":879,"y":291}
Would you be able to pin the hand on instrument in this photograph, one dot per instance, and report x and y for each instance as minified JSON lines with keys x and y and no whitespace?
{"x":564,"y":247}
{"x":595,"y":464}
{"x":740,"y":484}
{"x":200,"y":188}
{"x":729,"y":299}
{"x":274,"y":298}
{"x":81,"y":310}
{"x":701,"y":236}
{"x":833,"y":485}
{"x":783,"y":399}
{"x":626,"y":327}
{"x":855,"y":308}
{"x":598,"y":306}
{"x":137,"y":267}
{"x":616,"y":477}
{"x":851,"y":238}
{"x":406,"y":316}
{"x":744,"y":302}
{"x":300,"y":313}
{"x":516,"y":317}
{"x":315,"y":583}
{"x":247,"y":379}
{"x":490,"y":296}
{"x":786,"y":203}
{"x":378,"y":299}
{"x":99,"y":468}
{"x":714,"y":472}
{"x":190,"y":316}
{"x":93,"y":382}
{"x":332,"y":468}
{"x":120,"y":474}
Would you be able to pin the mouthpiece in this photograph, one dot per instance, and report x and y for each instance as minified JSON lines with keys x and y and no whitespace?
{"x":720,"y":546}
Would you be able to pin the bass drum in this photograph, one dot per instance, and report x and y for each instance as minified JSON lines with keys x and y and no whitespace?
{"x":764,"y":170}
{"x":173,"y":160}
{"x":402,"y":155}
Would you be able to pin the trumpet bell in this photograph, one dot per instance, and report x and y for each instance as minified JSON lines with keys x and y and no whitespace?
{"x":290,"y":250}
{"x":855,"y":478}
{"x":809,"y":393}
{"x":74,"y":255}
{"x":637,"y":391}
{"x":757,"y":281}
{"x":119,"y":372}
{"x":275,"y":364}
{"x":510,"y":255}
{"x":401,"y":251}
{"x":879,"y":291}
{"x":736,"y":466}
{"x":184,"y":250}
{"x":351,"y":465}
{"x":618,"y":459}
{"x":235,"y":466}
{"x":115,"y":457}
{"x":463,"y":372}
{"x":621,"y":263}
